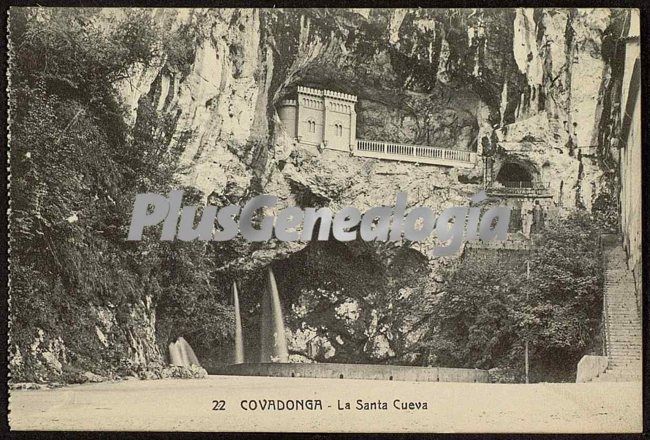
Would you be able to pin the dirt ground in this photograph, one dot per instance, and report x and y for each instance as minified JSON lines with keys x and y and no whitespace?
{"x":188,"y":405}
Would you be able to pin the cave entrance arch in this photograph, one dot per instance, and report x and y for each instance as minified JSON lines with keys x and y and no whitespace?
{"x":514,"y":175}
{"x":516,"y":179}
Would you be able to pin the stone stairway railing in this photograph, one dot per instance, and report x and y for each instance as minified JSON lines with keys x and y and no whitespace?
{"x":414,"y":153}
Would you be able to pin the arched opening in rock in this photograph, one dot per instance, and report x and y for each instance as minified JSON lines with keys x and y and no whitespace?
{"x":342,"y":302}
{"x":515,"y":175}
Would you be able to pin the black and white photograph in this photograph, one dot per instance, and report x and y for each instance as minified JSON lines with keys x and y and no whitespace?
{"x":322,"y":220}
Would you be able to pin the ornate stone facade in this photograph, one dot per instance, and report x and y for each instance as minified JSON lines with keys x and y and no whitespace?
{"x":321,"y":117}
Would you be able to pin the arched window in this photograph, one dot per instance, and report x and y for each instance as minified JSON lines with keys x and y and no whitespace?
{"x":312,"y":126}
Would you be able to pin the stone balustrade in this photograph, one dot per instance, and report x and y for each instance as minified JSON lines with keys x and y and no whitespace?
{"x":414,"y":153}
{"x":519,"y":189}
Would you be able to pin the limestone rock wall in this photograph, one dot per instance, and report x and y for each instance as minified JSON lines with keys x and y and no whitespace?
{"x":438,"y":77}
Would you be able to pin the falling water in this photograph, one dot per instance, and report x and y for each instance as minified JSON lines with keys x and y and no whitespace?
{"x":273,"y":339}
{"x":239,"y":336}
{"x":175,"y":357}
{"x":181,"y":353}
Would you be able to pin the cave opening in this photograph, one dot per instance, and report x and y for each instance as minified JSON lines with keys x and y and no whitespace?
{"x":339,"y":300}
{"x":514,"y":175}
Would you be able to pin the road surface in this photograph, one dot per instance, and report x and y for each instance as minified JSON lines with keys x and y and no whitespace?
{"x":189,"y":405}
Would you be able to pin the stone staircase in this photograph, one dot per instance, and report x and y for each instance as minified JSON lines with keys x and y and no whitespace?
{"x":621,"y":317}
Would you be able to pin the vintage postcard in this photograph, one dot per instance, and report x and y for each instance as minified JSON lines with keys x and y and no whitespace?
{"x":325,"y":220}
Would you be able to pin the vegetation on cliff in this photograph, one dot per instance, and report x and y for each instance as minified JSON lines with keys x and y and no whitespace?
{"x":83,"y":299}
{"x":490,"y":306}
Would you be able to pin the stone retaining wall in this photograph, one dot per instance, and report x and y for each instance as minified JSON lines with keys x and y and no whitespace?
{"x":357,"y":371}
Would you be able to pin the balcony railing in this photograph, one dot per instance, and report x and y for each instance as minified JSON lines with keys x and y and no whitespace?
{"x":415,"y":153}
{"x":522,"y":189}
{"x":507,"y":245}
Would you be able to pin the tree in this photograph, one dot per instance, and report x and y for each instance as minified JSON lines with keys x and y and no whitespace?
{"x":76,"y":168}
{"x":490,"y":307}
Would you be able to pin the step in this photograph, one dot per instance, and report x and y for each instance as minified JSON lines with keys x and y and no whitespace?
{"x":612,"y":355}
{"x":624,"y":332}
{"x":627,"y":368}
{"x":624,"y":319}
{"x":624,"y":326}
{"x":617,"y":354}
{"x":633,"y":333}
{"x":626,"y":346}
{"x":630,"y":372}
{"x":614,"y":351}
{"x":634,"y":364}
{"x":624,"y":363}
{"x":622,"y":373}
{"x":629,"y":364}
{"x":612,"y":327}
{"x":617,"y":378}
{"x":612,"y":378}
{"x":631,"y":306}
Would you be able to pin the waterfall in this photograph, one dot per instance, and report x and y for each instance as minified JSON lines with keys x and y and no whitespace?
{"x":273,"y":339}
{"x":181,"y":353}
{"x":239,"y":336}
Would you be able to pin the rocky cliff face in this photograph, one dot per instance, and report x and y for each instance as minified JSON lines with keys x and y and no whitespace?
{"x":446,"y":78}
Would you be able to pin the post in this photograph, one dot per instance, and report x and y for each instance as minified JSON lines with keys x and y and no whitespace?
{"x":526,"y":348}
